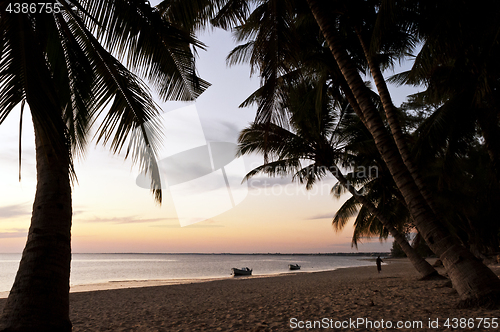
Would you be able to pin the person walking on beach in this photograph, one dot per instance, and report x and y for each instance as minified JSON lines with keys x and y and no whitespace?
{"x":379,"y":264}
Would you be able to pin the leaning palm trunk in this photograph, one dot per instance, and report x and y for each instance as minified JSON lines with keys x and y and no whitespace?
{"x":40,"y":301}
{"x":473,"y":281}
{"x":395,"y":124}
{"x":421,"y":265}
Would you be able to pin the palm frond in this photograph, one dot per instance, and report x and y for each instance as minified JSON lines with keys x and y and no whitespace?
{"x":32,"y":82}
{"x":446,"y":128}
{"x":282,"y":168}
{"x":367,"y":225}
{"x":132,"y":112}
{"x":310,"y":175}
{"x":269,"y":49}
{"x":232,"y":13}
{"x":73,"y":75}
{"x":348,"y":210}
{"x":11,"y":66}
{"x":153,"y":47}
{"x":401,"y":78}
{"x":280,"y":144}
{"x":241,"y":54}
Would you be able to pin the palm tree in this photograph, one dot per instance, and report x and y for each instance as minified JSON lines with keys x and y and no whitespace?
{"x":457,"y":165}
{"x":316,"y":138}
{"x":379,"y":220}
{"x":378,"y":190}
{"x":457,"y":65}
{"x":476,"y":286}
{"x":458,"y":61}
{"x":375,"y":51}
{"x":59,"y":62}
{"x":473,"y":280}
{"x":280,"y":49}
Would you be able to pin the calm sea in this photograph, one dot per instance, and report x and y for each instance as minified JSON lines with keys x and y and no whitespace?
{"x":98,"y":268}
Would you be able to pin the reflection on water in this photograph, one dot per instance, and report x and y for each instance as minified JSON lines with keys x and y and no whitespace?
{"x":98,"y":268}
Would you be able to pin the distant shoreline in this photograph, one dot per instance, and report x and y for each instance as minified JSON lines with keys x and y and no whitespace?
{"x":126,"y":284}
{"x":180,"y":270}
{"x":240,"y":254}
{"x":386,"y":254}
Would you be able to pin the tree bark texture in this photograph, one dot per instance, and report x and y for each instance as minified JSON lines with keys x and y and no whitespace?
{"x":391,"y":114}
{"x":39,"y":298}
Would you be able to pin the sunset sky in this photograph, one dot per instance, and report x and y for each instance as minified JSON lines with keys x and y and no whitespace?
{"x":111,"y":213}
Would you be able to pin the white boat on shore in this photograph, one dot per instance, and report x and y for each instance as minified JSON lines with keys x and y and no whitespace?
{"x":242,"y":272}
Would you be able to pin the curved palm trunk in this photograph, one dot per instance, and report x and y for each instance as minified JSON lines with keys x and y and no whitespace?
{"x":39,"y":298}
{"x":394,"y":123}
{"x":473,"y":281}
{"x":421,"y":265}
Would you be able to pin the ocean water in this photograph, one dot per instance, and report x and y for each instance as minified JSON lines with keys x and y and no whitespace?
{"x":99,"y":268}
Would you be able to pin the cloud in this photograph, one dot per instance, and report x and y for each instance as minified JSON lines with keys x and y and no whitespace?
{"x":322,"y":216}
{"x":126,"y":220}
{"x":77,"y":212}
{"x":373,"y":239}
{"x":13,"y":233}
{"x":189,"y":226}
{"x":208,"y":223}
{"x":10,"y":155}
{"x":16,"y":210}
{"x":231,"y":131}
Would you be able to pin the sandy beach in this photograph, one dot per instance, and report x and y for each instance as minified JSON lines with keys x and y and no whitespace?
{"x":351,"y":299}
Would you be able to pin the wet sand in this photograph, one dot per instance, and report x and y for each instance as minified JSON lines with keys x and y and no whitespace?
{"x":300,"y":301}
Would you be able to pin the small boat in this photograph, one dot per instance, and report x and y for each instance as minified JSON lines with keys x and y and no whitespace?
{"x":242,"y":272}
{"x":294,"y":267}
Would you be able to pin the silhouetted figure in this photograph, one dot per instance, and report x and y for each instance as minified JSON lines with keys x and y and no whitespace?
{"x":379,"y":264}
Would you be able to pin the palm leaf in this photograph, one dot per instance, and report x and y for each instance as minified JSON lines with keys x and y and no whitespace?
{"x":132,"y":111}
{"x":153,"y":47}
{"x":28,"y":78}
{"x":344,"y":214}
